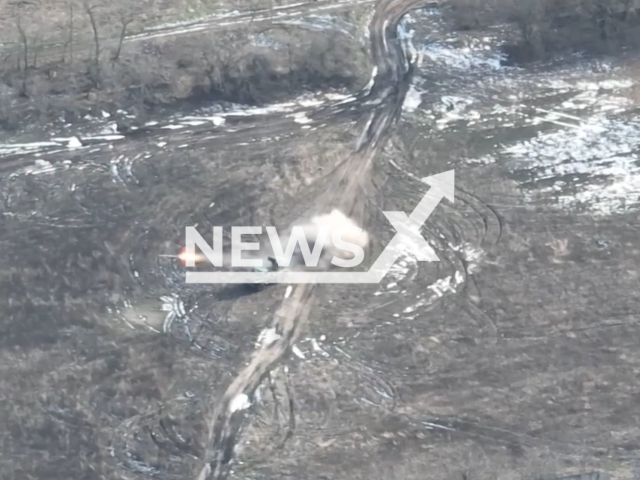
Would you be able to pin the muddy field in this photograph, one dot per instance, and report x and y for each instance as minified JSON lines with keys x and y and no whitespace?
{"x":511,"y":358}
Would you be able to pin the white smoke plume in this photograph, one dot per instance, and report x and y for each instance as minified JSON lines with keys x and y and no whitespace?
{"x":336,"y":221}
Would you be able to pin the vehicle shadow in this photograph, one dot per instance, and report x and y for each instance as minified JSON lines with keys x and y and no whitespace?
{"x":235,"y":292}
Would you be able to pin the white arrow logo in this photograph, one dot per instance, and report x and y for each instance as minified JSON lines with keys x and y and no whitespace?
{"x":408,"y":237}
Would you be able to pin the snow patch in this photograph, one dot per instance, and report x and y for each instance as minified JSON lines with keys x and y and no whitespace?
{"x":301,"y":117}
{"x":74,"y":143}
{"x":297,"y":352}
{"x":412,"y":100}
{"x":240,"y":402}
{"x":461,"y":59}
{"x":267,"y":337}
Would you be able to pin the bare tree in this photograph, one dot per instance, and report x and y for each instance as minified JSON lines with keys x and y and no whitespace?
{"x":36,"y":48}
{"x":612,"y":18}
{"x":601,"y":14}
{"x":90,"y":11}
{"x":126,"y":18}
{"x":216,"y":67}
{"x":24,"y":43}
{"x":218,"y":59}
{"x":68,"y":44}
{"x":24,"y":40}
{"x":531,"y":18}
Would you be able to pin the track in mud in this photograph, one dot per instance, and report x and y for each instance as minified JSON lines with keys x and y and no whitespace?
{"x":419,"y":363}
{"x":390,"y":84}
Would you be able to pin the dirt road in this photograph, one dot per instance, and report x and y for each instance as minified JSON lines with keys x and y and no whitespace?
{"x":345,"y":189}
{"x":515,"y":356}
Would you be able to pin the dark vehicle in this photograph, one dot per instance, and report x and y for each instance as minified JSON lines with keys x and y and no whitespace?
{"x":272,"y":267}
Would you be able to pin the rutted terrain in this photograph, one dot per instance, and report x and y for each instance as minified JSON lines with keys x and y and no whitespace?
{"x":513,"y":357}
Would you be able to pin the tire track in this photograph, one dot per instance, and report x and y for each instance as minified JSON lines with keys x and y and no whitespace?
{"x":393,"y":71}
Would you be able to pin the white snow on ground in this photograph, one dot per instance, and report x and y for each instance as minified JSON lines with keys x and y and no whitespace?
{"x":244,"y":111}
{"x":460,"y":59}
{"x":310,"y":102}
{"x":366,"y":34}
{"x":341,"y":98}
{"x":472,"y":255}
{"x":605,"y":85}
{"x":239,"y":402}
{"x":590,"y":160}
{"x":267,"y":337}
{"x":40,"y":166}
{"x":323,"y":22}
{"x":172,"y":304}
{"x":436,"y":290}
{"x":585,"y":154}
{"x":600,"y":95}
{"x":217,"y":120}
{"x":571,"y":150}
{"x":454,"y":108}
{"x":621,"y":191}
{"x":301,"y":117}
{"x":407,"y":264}
{"x":313,"y":349}
{"x":297,"y":352}
{"x":110,"y":128}
{"x":10,"y":149}
{"x":372,"y":80}
{"x":184,"y":23}
{"x":599,"y":158}
{"x":412,"y":100}
{"x":74,"y":143}
{"x":235,"y":18}
{"x":403,"y":270}
{"x":109,"y":138}
{"x":108,"y":132}
{"x":448,"y":284}
{"x":405,"y":35}
{"x":307,"y":100}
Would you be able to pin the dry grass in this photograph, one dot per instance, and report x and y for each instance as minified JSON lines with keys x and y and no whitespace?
{"x":52,"y":16}
{"x":253,"y":64}
{"x":548,"y":28}
{"x":465,"y":461}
